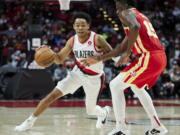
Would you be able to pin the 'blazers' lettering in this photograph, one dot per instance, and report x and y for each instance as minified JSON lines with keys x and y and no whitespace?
{"x":83,"y":54}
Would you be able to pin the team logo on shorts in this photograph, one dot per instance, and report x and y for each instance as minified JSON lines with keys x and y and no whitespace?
{"x":89,"y":43}
{"x":133,"y":73}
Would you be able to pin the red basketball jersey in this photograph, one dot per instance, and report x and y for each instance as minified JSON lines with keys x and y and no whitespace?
{"x":147,"y":40}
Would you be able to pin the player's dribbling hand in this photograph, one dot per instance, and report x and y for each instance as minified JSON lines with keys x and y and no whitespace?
{"x":89,"y":61}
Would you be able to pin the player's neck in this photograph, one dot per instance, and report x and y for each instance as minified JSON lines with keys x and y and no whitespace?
{"x":84,"y":38}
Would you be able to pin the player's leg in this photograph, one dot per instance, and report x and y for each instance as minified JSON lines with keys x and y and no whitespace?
{"x":67,"y":85}
{"x":92,"y":89}
{"x":45,"y":102}
{"x":119,"y":104}
{"x":146,"y":101}
{"x":42,"y":106}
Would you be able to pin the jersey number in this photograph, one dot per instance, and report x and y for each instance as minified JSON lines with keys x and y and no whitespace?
{"x":150,"y":29}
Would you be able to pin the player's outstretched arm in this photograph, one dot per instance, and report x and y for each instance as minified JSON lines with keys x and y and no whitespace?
{"x":60,"y":56}
{"x":106,"y":49}
{"x":102,"y":45}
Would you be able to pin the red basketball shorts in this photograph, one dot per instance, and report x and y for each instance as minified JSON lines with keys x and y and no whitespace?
{"x":145,"y":70}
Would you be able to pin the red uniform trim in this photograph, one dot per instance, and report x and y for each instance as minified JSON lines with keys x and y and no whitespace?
{"x":139,"y":47}
{"x":85,"y":70}
{"x":141,"y":66}
{"x":73,"y":42}
{"x":157,"y":121}
{"x":89,"y":34}
{"x":101,"y":88}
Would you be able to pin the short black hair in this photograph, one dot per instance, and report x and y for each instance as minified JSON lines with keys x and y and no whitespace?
{"x":129,"y":2}
{"x":82,"y":15}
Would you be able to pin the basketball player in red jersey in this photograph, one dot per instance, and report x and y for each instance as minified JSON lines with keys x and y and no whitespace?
{"x":142,"y":41}
{"x":83,"y":44}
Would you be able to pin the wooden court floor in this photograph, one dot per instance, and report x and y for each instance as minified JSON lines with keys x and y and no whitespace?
{"x":75,"y":121}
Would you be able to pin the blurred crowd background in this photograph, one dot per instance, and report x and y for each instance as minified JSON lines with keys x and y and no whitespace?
{"x":15,"y":17}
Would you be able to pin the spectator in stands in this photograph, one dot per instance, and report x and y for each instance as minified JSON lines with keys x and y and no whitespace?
{"x":14,"y":18}
{"x":167,"y":86}
{"x":59,"y":73}
{"x":175,"y":76}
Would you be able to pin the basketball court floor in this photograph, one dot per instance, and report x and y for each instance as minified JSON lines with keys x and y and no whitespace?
{"x":70,"y":118}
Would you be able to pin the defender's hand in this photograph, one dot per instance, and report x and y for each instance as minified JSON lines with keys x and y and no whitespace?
{"x":123,"y":60}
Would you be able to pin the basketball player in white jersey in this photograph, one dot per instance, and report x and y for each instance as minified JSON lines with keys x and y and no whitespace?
{"x":84,"y":44}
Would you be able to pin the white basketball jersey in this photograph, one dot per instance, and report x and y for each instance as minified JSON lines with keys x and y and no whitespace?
{"x":85,"y":50}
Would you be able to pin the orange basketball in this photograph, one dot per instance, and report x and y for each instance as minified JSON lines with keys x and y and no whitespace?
{"x":44,"y":56}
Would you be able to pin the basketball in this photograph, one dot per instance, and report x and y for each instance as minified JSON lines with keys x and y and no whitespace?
{"x":44,"y":56}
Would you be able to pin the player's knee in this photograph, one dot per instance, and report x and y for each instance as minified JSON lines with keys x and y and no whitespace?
{"x":116,"y":84}
{"x":112,"y":85}
{"x":137,"y":91}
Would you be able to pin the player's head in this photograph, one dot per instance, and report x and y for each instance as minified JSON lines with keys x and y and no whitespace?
{"x":81,"y":23}
{"x":123,"y":4}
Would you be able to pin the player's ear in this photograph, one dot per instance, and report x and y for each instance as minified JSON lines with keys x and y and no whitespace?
{"x":88,"y":26}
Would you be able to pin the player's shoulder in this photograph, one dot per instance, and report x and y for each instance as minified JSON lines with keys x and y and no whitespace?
{"x":127,"y":12}
{"x":71,"y":39}
{"x":140,"y":14}
{"x":100,"y":40}
{"x":97,"y":38}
